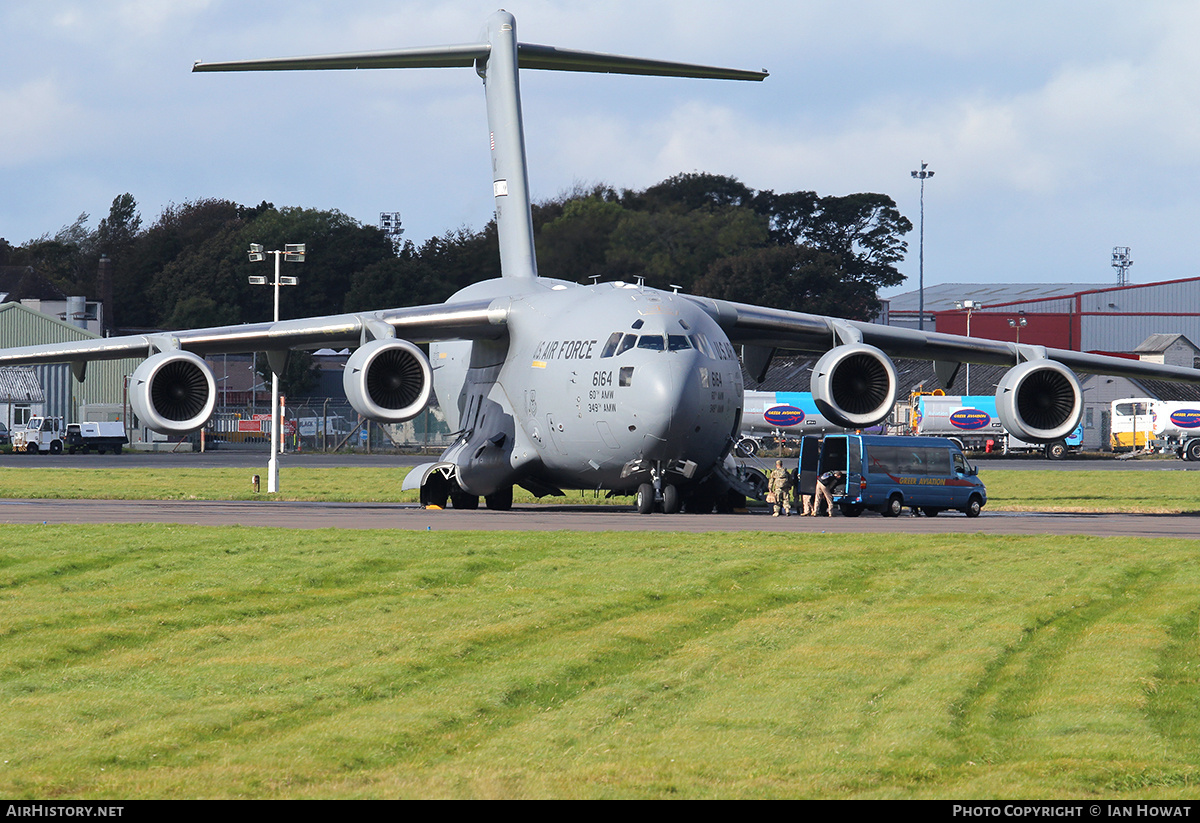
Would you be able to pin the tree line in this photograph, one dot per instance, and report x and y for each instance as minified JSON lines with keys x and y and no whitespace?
{"x":706,"y":234}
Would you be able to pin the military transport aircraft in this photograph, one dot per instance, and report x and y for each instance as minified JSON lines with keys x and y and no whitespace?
{"x":553,"y":385}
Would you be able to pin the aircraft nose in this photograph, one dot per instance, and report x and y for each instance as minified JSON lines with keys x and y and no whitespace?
{"x":669,"y":407}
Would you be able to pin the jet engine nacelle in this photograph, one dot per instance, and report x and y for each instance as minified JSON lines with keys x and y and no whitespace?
{"x":388,"y":380}
{"x":173,"y":392}
{"x":854,"y":386}
{"x":1039,"y":401}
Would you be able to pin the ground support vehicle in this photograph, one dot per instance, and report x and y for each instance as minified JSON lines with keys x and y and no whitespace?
{"x":973,"y":422}
{"x":99,"y":436}
{"x":887,"y":474}
{"x":1175,"y":427}
{"x":42,"y":435}
{"x":1146,"y":424}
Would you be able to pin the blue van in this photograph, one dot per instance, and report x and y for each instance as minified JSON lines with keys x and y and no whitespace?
{"x":886,"y":473}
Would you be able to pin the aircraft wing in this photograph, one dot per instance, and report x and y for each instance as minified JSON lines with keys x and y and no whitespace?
{"x":766,"y":329}
{"x":471,"y":320}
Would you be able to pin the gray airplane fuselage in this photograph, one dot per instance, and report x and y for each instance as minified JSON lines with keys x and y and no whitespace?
{"x":594,"y":387}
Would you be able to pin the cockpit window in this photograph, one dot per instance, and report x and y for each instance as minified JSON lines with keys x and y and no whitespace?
{"x":653,"y":342}
{"x":610,"y":347}
{"x":701,"y":343}
{"x":677,"y":342}
{"x":627,"y":343}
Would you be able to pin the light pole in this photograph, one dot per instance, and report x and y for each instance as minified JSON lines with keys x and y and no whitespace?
{"x":292,"y":253}
{"x":923,"y":174}
{"x":970,"y":306}
{"x":1017,"y":323}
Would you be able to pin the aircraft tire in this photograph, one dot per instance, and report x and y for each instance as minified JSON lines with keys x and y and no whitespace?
{"x":461,"y":500}
{"x":434,"y":492}
{"x":500,"y":501}
{"x":645,"y":499}
{"x":671,"y":499}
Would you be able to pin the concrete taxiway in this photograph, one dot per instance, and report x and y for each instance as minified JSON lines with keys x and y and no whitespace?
{"x":575,"y":518}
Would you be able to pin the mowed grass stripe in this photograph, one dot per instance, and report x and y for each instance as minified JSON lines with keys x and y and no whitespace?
{"x":261,"y":662}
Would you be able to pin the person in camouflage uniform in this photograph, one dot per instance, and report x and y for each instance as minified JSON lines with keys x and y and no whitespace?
{"x":778,"y":484}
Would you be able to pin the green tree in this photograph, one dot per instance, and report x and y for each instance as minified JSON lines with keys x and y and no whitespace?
{"x":797,"y":278}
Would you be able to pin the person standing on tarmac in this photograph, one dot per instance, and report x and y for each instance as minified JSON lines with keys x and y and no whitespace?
{"x":777,"y":486}
{"x":826,"y":483}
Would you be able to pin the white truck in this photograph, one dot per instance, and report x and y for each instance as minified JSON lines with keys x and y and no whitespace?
{"x":99,"y":436}
{"x":41,"y":435}
{"x":1171,"y":427}
{"x":48,"y":435}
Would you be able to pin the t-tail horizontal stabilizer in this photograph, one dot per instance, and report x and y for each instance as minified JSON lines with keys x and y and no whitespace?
{"x":497,"y":60}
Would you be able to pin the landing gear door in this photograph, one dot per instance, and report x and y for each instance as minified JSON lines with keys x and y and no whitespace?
{"x":810,"y":457}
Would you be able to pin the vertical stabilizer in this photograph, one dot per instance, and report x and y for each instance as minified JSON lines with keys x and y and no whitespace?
{"x":497,"y":59}
{"x":510,"y":174}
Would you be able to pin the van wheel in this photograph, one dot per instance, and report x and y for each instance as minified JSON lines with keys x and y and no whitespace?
{"x":851,"y":510}
{"x":974,"y":506}
{"x":894,"y":506}
{"x":1192,"y":450}
{"x":1056,"y":450}
{"x":645,"y":498}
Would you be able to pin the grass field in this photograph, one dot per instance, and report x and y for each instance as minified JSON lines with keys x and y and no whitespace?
{"x":1048,"y":490}
{"x":157,"y":661}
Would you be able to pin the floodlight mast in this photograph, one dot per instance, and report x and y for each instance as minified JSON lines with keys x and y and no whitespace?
{"x":292,"y":253}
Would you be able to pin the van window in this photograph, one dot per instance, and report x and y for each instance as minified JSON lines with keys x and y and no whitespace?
{"x":918,"y":460}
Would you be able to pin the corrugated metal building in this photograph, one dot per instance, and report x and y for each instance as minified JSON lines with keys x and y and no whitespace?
{"x":1112,"y":319}
{"x":105,"y":379}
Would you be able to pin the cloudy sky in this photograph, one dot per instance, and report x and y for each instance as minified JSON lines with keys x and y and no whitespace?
{"x":1056,"y":130}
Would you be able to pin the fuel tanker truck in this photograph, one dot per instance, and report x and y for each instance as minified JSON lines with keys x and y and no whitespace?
{"x":973,"y":422}
{"x":1175,"y":427}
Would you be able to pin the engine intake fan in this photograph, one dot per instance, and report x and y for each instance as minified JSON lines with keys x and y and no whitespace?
{"x":854,"y":386}
{"x":1039,"y":401}
{"x":173,"y":392}
{"x":388,"y":380}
